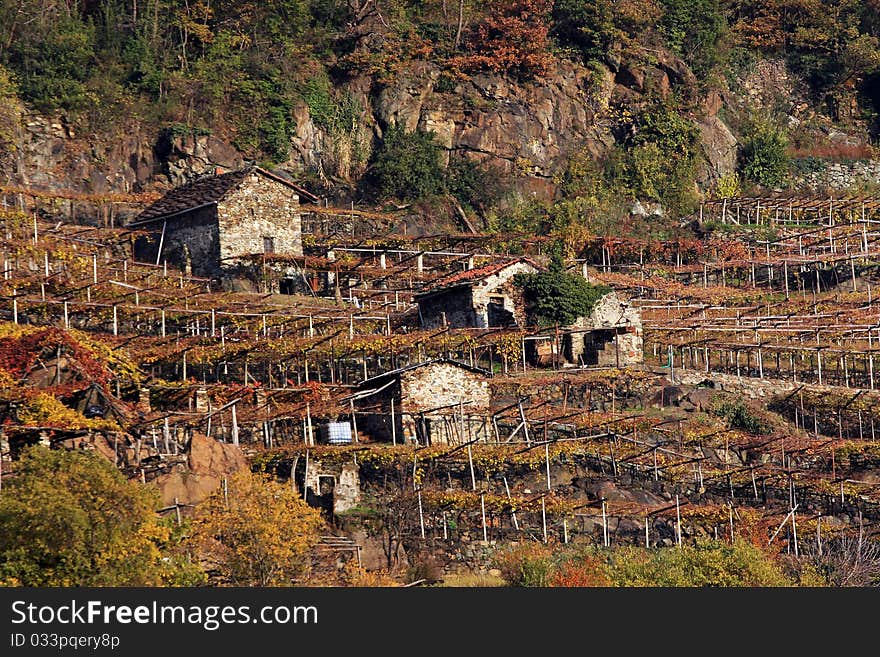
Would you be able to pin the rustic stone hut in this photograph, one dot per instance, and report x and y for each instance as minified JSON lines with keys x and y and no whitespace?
{"x":440,"y":401}
{"x":610,"y":335}
{"x":206,"y":224}
{"x":482,"y":297}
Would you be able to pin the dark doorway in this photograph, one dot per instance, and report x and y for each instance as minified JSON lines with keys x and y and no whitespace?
{"x":498,"y":316}
{"x":595,"y":343}
{"x":286,"y":286}
{"x":326,"y":487}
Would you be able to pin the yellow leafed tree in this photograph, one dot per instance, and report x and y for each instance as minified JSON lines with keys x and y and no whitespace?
{"x":258,"y":532}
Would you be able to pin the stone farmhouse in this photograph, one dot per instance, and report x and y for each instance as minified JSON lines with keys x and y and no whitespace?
{"x":206,"y":225}
{"x":482,"y":297}
{"x":437,"y":402}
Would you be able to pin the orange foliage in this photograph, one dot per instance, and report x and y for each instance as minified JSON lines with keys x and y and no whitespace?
{"x":513,"y":38}
{"x":588,"y":571}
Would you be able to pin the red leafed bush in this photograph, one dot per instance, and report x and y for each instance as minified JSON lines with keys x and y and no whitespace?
{"x":513,"y":38}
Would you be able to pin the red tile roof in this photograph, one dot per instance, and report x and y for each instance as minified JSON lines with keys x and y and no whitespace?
{"x":470,"y":276}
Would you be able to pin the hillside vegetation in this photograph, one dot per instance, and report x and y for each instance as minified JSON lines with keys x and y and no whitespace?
{"x":254,"y":74}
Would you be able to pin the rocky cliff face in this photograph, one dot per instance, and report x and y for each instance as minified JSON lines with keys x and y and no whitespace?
{"x":523,"y":129}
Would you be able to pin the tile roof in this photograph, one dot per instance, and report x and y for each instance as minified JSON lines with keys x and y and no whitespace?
{"x":469,"y":276}
{"x":204,"y":190}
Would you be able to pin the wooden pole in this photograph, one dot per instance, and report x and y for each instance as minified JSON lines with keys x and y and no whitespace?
{"x":483,"y":509}
{"x":306,"y":477}
{"x":234,"y":426}
{"x":547,"y":459}
{"x":354,"y":420}
{"x":422,"y":517}
{"x":544,"y":518}
{"x":393,"y":424}
{"x":605,"y":540}
{"x":678,"y":521}
{"x":471,"y":466}
{"x":512,"y":513}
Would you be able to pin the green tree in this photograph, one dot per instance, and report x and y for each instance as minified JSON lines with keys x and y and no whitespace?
{"x":557,"y":297}
{"x":694,"y":30}
{"x":54,"y":65}
{"x":10,"y":117}
{"x":407,"y":165}
{"x":258,"y":533}
{"x":656,"y":157}
{"x":72,"y":519}
{"x":587,"y":26}
{"x":764,"y":159}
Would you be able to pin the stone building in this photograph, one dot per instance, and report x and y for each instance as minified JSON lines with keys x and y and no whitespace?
{"x":205,"y":225}
{"x":482,"y":297}
{"x":332,"y":487}
{"x":440,"y":401}
{"x":610,"y":335}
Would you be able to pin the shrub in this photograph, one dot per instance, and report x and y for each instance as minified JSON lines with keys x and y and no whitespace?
{"x":529,"y":564}
{"x":739,"y":416}
{"x":727,"y":186}
{"x":693,"y":29}
{"x":72,"y":519}
{"x":513,"y":38}
{"x":407,"y":165}
{"x":557,"y":297}
{"x":711,"y":563}
{"x":656,"y":157}
{"x":764,"y":159}
{"x":583,"y":25}
{"x":584,"y":571}
{"x":473,"y":185}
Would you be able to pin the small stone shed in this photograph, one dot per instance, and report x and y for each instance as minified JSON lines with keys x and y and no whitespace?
{"x":204,"y":225}
{"x":439,"y":402}
{"x":332,"y":487}
{"x":482,"y":297}
{"x":610,"y":335}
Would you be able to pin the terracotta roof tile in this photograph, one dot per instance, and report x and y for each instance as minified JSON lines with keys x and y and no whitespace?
{"x":474,"y":275}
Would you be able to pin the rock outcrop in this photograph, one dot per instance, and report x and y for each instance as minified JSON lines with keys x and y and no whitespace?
{"x":208,"y":463}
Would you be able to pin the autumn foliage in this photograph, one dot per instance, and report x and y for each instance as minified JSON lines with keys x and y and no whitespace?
{"x":513,"y":38}
{"x":72,"y":519}
{"x":257,"y":533}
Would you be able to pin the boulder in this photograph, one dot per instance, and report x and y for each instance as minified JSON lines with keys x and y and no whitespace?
{"x":207,"y":464}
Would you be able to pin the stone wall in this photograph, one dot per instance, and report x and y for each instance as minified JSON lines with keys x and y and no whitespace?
{"x":345,"y":492}
{"x":259,"y":207}
{"x":441,"y":384}
{"x":196,"y":230}
{"x":839,"y":175}
{"x":501,"y":284}
{"x":753,"y":388}
{"x":420,"y":390}
{"x":455,"y":304}
{"x":622,"y":348}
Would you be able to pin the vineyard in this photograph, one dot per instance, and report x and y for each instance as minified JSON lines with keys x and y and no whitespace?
{"x":754,"y":415}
